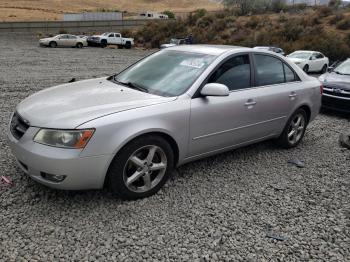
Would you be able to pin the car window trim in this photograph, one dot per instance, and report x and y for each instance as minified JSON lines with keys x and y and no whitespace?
{"x":205,"y":81}
{"x":296,"y":76}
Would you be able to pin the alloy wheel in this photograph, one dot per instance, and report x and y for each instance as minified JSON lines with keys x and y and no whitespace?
{"x":145,"y":168}
{"x":296,"y":129}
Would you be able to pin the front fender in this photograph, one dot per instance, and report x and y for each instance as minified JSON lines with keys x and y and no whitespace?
{"x":116,"y":130}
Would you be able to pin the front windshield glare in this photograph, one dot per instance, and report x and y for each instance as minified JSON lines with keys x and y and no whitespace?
{"x":343,"y":68}
{"x":166,"y":73}
{"x":301,"y":55}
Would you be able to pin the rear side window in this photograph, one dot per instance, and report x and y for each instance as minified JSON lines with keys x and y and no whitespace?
{"x":289,"y":73}
{"x":319,"y":56}
{"x":269,"y":70}
{"x":234,"y":73}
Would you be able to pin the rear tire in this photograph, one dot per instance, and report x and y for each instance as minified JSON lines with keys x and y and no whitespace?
{"x":141,"y":168}
{"x":294,"y":130}
{"x":128,"y":45}
{"x":53,"y":44}
{"x":306,"y":69}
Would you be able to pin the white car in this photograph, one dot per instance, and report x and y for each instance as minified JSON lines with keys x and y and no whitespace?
{"x":110,"y":39}
{"x":64,"y":40}
{"x":310,"y":61}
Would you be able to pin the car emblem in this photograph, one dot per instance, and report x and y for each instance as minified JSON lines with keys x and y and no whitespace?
{"x":337,"y":90}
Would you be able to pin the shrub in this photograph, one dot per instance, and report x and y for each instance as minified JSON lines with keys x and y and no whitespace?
{"x":253,"y":22}
{"x":324,"y":11}
{"x":344,"y":24}
{"x":336,"y":18}
{"x":62,"y":31}
{"x":170,"y":14}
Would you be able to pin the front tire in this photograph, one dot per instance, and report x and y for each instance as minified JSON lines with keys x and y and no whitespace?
{"x":53,"y":44}
{"x":79,"y":45}
{"x":103,"y":43}
{"x":294,"y":130}
{"x":141,"y":168}
{"x":306,"y":69}
{"x":324,"y":69}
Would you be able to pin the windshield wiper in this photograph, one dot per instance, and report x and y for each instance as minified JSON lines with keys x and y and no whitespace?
{"x":132,"y":85}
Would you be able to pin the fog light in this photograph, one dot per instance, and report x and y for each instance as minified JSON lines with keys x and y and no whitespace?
{"x":53,"y":178}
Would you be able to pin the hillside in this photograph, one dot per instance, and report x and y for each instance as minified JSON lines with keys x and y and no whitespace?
{"x":37,"y":10}
{"x":321,"y":29}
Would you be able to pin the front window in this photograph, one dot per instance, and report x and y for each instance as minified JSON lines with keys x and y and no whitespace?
{"x":300,"y":55}
{"x":166,"y":73}
{"x":234,"y":73}
{"x":343,"y":68}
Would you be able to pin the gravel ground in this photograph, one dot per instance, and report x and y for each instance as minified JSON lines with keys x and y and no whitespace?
{"x":216,"y":209}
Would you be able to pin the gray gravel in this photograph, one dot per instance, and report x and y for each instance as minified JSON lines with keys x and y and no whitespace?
{"x":217,"y":209}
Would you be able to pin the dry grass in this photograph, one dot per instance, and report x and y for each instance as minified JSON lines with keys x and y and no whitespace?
{"x":30,"y":10}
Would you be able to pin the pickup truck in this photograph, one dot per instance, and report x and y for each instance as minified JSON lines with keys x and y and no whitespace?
{"x":110,"y":39}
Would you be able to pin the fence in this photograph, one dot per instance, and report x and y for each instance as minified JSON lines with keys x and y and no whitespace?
{"x":72,"y":26}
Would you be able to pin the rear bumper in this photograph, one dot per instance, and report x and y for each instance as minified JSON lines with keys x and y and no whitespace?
{"x":335,"y":103}
{"x":80,"y":172}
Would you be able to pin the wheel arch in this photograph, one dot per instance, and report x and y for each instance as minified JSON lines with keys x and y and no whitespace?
{"x":307,"y":110}
{"x":172,"y":142}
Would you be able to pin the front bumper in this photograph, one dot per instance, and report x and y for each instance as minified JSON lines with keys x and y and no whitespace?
{"x":80,"y":172}
{"x":93,"y":43}
{"x":336,"y":103}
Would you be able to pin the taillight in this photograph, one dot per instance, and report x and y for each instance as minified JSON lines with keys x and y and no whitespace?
{"x":321,"y":89}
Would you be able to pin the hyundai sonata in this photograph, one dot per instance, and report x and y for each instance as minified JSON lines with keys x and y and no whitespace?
{"x":128,"y":131}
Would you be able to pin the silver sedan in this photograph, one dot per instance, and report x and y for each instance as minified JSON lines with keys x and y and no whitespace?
{"x":64,"y":40}
{"x":130,"y":130}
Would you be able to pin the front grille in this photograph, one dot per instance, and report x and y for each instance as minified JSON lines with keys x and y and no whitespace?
{"x":18,"y":126}
{"x":336,"y":103}
{"x":336,"y":91}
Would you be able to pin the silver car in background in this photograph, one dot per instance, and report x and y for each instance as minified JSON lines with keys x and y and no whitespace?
{"x":129,"y":131}
{"x":64,"y":40}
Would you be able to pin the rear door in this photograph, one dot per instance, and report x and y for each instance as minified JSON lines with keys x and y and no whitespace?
{"x":71,"y":40}
{"x":276,"y":92}
{"x":118,"y":39}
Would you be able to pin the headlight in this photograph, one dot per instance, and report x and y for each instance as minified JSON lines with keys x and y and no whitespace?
{"x":321,"y":78}
{"x":64,"y":138}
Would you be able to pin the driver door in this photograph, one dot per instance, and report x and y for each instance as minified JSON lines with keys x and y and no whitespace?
{"x":219,"y":122}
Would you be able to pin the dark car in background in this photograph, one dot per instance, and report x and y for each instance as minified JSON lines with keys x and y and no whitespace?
{"x":94,"y":41}
{"x":336,"y":87}
{"x":271,"y":48}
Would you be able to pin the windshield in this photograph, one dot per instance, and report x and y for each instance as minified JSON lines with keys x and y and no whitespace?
{"x":300,"y":55}
{"x":166,"y":73}
{"x":343,"y":68}
{"x":174,"y":41}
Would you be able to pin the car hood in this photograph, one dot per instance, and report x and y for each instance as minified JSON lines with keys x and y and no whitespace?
{"x":45,"y":39}
{"x":336,"y":80}
{"x":167,"y":45}
{"x":69,"y":105}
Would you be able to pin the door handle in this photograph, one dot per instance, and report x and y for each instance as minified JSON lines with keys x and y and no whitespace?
{"x":293,"y":95}
{"x":250,"y":103}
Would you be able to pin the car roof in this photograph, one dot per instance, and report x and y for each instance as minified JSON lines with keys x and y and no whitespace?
{"x":208,"y":49}
{"x":304,"y":51}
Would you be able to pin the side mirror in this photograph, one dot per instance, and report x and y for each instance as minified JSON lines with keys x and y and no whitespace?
{"x":215,"y":89}
{"x":330,"y":69}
